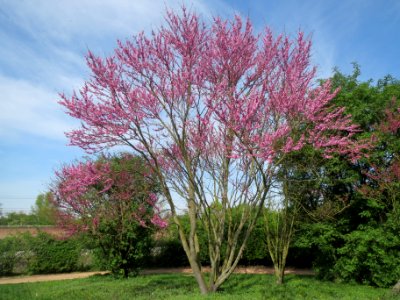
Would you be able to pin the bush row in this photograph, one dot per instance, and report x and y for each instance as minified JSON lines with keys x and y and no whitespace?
{"x":41,"y":254}
{"x":369,"y":255}
{"x":168,"y":251}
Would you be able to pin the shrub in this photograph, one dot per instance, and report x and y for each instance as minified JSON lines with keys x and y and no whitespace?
{"x":54,"y":256}
{"x":370,"y":256}
{"x":123,"y":252}
{"x":318,"y":243}
{"x":24,"y":253}
{"x":123,"y":213}
{"x":7,"y":255}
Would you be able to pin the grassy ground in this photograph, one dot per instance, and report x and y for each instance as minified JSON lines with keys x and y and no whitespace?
{"x":180,"y":286}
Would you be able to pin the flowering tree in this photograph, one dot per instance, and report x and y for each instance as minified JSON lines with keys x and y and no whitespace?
{"x":115,"y":200}
{"x":212,"y":109}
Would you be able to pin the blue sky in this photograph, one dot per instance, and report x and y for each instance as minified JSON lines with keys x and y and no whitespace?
{"x":43,"y":44}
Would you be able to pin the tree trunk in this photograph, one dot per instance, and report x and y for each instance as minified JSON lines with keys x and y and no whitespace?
{"x":279,"y":274}
{"x":192,"y":255}
{"x":198,"y":275}
{"x":126,"y":273}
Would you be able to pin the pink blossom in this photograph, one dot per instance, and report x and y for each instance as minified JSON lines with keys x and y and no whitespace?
{"x":88,"y":192}
{"x":157,"y":221}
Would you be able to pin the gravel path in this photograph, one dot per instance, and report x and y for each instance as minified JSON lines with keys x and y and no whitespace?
{"x":52,"y":277}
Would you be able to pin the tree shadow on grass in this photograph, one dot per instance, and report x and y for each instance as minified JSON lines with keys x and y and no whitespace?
{"x":265,"y":286}
{"x":169,"y":285}
{"x":240,"y":282}
{"x":162,"y":286}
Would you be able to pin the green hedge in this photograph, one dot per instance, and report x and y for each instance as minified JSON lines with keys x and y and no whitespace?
{"x":54,"y":256}
{"x":8,"y":250}
{"x":168,"y":251}
{"x":41,"y":254}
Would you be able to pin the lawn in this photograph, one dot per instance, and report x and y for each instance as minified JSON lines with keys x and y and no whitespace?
{"x":181,"y":286}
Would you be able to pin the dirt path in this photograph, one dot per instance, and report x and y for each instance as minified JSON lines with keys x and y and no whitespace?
{"x":52,"y":277}
{"x":47,"y":277}
{"x":239,"y":270}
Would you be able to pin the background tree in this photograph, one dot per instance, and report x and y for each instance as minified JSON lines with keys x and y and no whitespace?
{"x":383,"y":188}
{"x":360,"y":243}
{"x":44,"y":209}
{"x":42,"y":213}
{"x":19,"y":219}
{"x":114,"y":200}
{"x":303,"y":193}
{"x":211,"y":109}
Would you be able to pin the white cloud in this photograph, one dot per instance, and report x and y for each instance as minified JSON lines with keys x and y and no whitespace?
{"x":30,"y":109}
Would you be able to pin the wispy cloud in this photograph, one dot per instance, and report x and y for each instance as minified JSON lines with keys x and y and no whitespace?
{"x":29,"y":109}
{"x":74,"y":20}
{"x":44,"y":43}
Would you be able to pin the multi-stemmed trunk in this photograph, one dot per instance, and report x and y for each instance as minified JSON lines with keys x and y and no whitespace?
{"x":278,"y":247}
{"x":227,"y":234}
{"x":279,"y":273}
{"x":222,"y":264}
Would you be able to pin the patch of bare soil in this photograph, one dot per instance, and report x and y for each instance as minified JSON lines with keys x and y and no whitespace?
{"x":64,"y":276}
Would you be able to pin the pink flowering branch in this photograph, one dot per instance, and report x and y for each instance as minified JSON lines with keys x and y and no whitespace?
{"x":88,"y":192}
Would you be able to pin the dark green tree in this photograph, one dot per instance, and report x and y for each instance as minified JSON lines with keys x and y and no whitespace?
{"x":346,"y":247}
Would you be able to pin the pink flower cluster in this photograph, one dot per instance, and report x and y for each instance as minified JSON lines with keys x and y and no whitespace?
{"x":88,"y":192}
{"x":75,"y":181}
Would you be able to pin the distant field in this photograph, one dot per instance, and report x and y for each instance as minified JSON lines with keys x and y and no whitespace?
{"x":183,"y":286}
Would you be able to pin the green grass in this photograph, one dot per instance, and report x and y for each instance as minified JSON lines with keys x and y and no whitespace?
{"x":180,"y":286}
